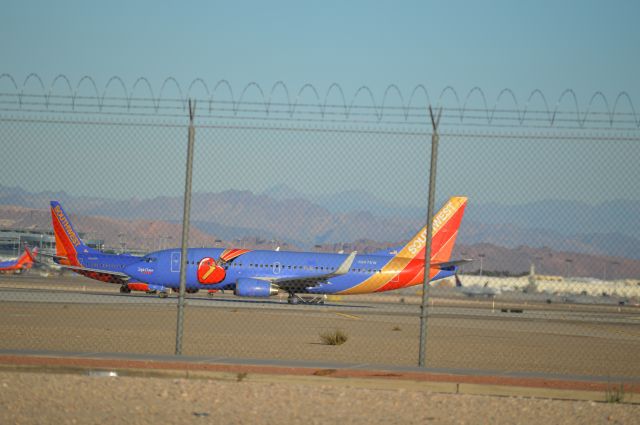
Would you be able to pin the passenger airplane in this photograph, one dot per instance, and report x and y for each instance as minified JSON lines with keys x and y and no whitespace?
{"x":73,"y":254}
{"x":259,"y":273}
{"x":20,"y":264}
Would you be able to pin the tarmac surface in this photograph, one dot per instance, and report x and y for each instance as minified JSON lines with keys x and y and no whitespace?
{"x":83,"y":353}
{"x":74,"y":314}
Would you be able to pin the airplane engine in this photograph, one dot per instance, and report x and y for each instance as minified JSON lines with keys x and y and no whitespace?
{"x":247,"y":287}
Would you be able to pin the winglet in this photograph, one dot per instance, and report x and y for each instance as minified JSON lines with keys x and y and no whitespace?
{"x":346,"y":265}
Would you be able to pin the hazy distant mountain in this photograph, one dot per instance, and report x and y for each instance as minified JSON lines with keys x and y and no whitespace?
{"x":143,"y":235}
{"x":566,"y":217}
{"x":148,"y":235}
{"x":563,"y":217}
{"x":547,"y":261}
{"x":350,"y":201}
{"x":281,"y":214}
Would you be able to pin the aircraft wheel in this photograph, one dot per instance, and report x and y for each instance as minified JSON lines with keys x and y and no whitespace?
{"x":164,"y":295}
{"x":125,"y":290}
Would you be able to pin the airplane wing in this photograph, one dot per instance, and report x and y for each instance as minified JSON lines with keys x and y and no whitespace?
{"x":54,"y":256}
{"x":299,"y":282}
{"x":449,"y":264}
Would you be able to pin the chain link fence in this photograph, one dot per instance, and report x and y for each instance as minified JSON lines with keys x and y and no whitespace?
{"x":551,"y":222}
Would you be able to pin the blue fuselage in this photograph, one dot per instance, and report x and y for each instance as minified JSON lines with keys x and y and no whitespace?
{"x":163,"y":268}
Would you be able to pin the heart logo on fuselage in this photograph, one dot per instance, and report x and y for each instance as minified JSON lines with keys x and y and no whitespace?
{"x":209,"y":272}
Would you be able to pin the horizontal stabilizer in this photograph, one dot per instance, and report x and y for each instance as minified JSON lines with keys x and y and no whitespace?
{"x":118,"y":275}
{"x":449,"y":264}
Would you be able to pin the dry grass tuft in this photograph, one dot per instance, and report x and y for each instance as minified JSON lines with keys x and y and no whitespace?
{"x":336,"y":337}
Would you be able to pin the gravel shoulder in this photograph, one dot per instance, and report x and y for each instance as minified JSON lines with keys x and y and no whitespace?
{"x":48,"y":398}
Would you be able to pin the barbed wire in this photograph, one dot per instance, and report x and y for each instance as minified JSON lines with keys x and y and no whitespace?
{"x":488,"y":132}
{"x":411,"y":111}
{"x":253,"y":122}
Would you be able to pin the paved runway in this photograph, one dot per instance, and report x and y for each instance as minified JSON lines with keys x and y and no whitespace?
{"x":76,"y":314}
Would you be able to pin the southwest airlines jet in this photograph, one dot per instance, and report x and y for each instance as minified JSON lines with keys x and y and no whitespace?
{"x":261,"y":273}
{"x":73,"y":254}
{"x":20,"y":264}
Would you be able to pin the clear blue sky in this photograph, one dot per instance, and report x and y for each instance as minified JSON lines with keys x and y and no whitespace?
{"x":587,"y":46}
{"x":551,"y":45}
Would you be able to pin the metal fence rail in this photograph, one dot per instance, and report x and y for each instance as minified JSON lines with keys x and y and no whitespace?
{"x":551,"y":221}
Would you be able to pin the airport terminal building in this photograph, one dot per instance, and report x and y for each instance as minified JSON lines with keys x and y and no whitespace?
{"x":12,"y":241}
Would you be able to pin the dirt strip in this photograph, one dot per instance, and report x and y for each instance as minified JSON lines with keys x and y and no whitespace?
{"x":191,"y":369}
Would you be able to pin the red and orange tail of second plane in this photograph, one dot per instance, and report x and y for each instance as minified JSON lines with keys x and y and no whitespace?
{"x":23,"y":262}
{"x":27,"y":258}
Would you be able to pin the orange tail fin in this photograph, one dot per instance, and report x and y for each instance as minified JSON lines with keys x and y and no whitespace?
{"x":446,"y":224}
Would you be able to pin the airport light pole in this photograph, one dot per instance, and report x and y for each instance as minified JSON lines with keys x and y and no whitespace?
{"x":481,"y":260}
{"x":613,"y":263}
{"x":120,"y":242}
{"x":185,"y":227}
{"x":464,"y":255}
{"x":435,"y":138}
{"x":568,"y":261}
{"x":539,"y":265}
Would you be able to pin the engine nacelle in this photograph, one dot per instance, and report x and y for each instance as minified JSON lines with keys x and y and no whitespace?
{"x":247,"y":287}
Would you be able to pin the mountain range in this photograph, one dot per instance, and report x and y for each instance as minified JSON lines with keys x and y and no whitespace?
{"x":284,"y":216}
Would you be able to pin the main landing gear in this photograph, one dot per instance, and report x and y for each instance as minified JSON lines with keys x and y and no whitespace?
{"x":124,"y":289}
{"x":297,"y":299}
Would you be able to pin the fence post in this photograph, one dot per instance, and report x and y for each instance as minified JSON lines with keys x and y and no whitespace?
{"x":427,"y":255}
{"x":185,"y":227}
